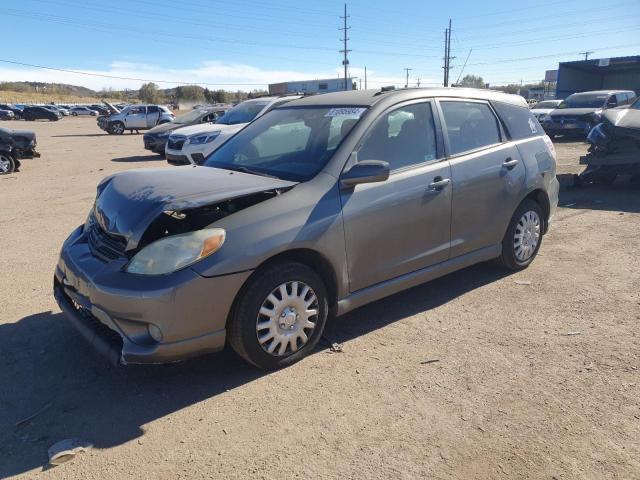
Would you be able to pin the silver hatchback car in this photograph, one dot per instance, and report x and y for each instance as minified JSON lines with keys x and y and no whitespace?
{"x":318,"y":207}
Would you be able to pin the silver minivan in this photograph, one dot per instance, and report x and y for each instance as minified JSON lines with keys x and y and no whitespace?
{"x":314,"y":209}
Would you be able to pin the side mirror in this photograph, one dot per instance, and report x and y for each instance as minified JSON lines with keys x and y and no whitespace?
{"x":367,"y":171}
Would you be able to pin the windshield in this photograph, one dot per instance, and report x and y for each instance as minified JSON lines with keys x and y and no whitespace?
{"x":584,"y":100}
{"x":190,"y":117}
{"x":546,"y":105}
{"x":288,"y":143}
{"x":243,"y":113}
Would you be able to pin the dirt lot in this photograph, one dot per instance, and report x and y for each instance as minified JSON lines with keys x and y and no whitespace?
{"x":512,"y":395}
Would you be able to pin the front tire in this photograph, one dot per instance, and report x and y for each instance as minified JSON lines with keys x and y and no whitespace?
{"x":279,"y":315}
{"x":116,"y":128}
{"x":7,"y":164}
{"x":523,"y":238}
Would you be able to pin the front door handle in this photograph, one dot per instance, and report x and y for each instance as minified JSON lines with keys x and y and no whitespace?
{"x":439,"y":183}
{"x":509,"y":163}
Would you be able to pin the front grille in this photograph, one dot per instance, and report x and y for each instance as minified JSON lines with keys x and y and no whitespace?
{"x":176,"y":143}
{"x":104,"y":245}
{"x":112,"y":338}
{"x":177,"y":159}
{"x":198,"y":158}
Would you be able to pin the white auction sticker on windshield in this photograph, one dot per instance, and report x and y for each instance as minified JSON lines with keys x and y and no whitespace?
{"x":348,"y":112}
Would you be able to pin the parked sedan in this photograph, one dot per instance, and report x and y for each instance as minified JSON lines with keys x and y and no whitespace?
{"x":75,"y":111}
{"x":7,"y":115}
{"x":545,"y":107}
{"x":17,"y":112}
{"x":156,"y":138}
{"x":315,"y":208}
{"x":580,"y":112}
{"x":40,"y":113}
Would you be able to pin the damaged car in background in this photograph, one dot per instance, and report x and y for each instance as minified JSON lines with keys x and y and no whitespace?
{"x":134,"y":117}
{"x":316,"y":208}
{"x":580,"y":112}
{"x":156,"y":138}
{"x":614,"y":147}
{"x":16,"y":145}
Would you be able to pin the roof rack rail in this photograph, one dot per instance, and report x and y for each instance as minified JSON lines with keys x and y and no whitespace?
{"x":386,"y":89}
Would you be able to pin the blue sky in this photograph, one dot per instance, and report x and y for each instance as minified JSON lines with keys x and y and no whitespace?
{"x":248,"y":43}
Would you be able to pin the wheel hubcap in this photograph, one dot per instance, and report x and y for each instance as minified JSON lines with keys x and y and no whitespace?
{"x":527,"y":236}
{"x":286,"y":318}
{"x":4,"y":165}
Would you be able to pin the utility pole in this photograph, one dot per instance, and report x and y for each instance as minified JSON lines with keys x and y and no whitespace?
{"x":407,"y":70}
{"x":447,"y":54}
{"x":345,"y":29}
{"x":365,"y":77}
{"x":418,"y":82}
{"x":586,"y":54}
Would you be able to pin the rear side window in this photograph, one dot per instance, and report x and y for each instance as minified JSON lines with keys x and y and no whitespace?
{"x":152,"y":109}
{"x":470,"y":125}
{"x":519,"y":121}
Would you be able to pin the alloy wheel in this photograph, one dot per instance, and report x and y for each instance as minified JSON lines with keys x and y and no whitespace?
{"x":5,"y":164}
{"x":527,"y":236}
{"x":286,"y":318}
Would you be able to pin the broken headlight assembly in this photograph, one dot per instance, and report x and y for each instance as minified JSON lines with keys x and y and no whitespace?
{"x":175,"y":252}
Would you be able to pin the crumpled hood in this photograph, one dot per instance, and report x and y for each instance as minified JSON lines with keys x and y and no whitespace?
{"x":624,"y":118}
{"x":128,"y":202}
{"x":573,"y":111}
{"x":206,"y":128}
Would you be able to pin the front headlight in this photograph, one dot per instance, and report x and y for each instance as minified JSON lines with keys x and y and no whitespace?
{"x":544,"y":118}
{"x":202,"y":139}
{"x":176,"y":251}
{"x":163,"y":135}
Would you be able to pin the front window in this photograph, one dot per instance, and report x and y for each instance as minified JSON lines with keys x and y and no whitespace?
{"x":584,"y":100}
{"x":243,"y":113}
{"x":403,"y":137}
{"x":636,"y":105}
{"x":288,"y":143}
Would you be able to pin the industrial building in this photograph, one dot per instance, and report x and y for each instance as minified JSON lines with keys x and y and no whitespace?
{"x":310,"y":86}
{"x":621,"y":73}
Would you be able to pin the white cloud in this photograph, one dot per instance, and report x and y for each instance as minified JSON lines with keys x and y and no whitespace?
{"x":213,"y":74}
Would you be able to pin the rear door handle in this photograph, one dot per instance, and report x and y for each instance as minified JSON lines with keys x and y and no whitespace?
{"x":509,"y":163}
{"x":439,"y":183}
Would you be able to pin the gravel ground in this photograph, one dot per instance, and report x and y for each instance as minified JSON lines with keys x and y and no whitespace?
{"x":512,"y":394}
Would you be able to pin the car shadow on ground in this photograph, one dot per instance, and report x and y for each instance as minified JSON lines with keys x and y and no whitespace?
{"x":45,"y":364}
{"x":138,"y":158}
{"x":614,"y":198}
{"x":82,"y":135}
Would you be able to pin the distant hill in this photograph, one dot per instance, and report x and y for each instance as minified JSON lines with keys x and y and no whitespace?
{"x":50,"y":88}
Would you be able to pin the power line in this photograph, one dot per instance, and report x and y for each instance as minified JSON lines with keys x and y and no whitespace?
{"x":116,"y":77}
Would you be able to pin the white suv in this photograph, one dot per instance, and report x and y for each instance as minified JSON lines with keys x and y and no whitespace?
{"x":191,"y":145}
{"x":134,"y":117}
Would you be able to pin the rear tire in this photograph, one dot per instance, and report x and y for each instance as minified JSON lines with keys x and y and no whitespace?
{"x":7,"y":164}
{"x":297,"y":320}
{"x":523,"y":238}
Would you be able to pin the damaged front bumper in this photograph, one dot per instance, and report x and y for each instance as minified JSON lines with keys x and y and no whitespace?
{"x":113,"y":309}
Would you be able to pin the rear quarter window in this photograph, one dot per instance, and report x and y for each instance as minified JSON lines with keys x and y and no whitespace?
{"x":518,"y":121}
